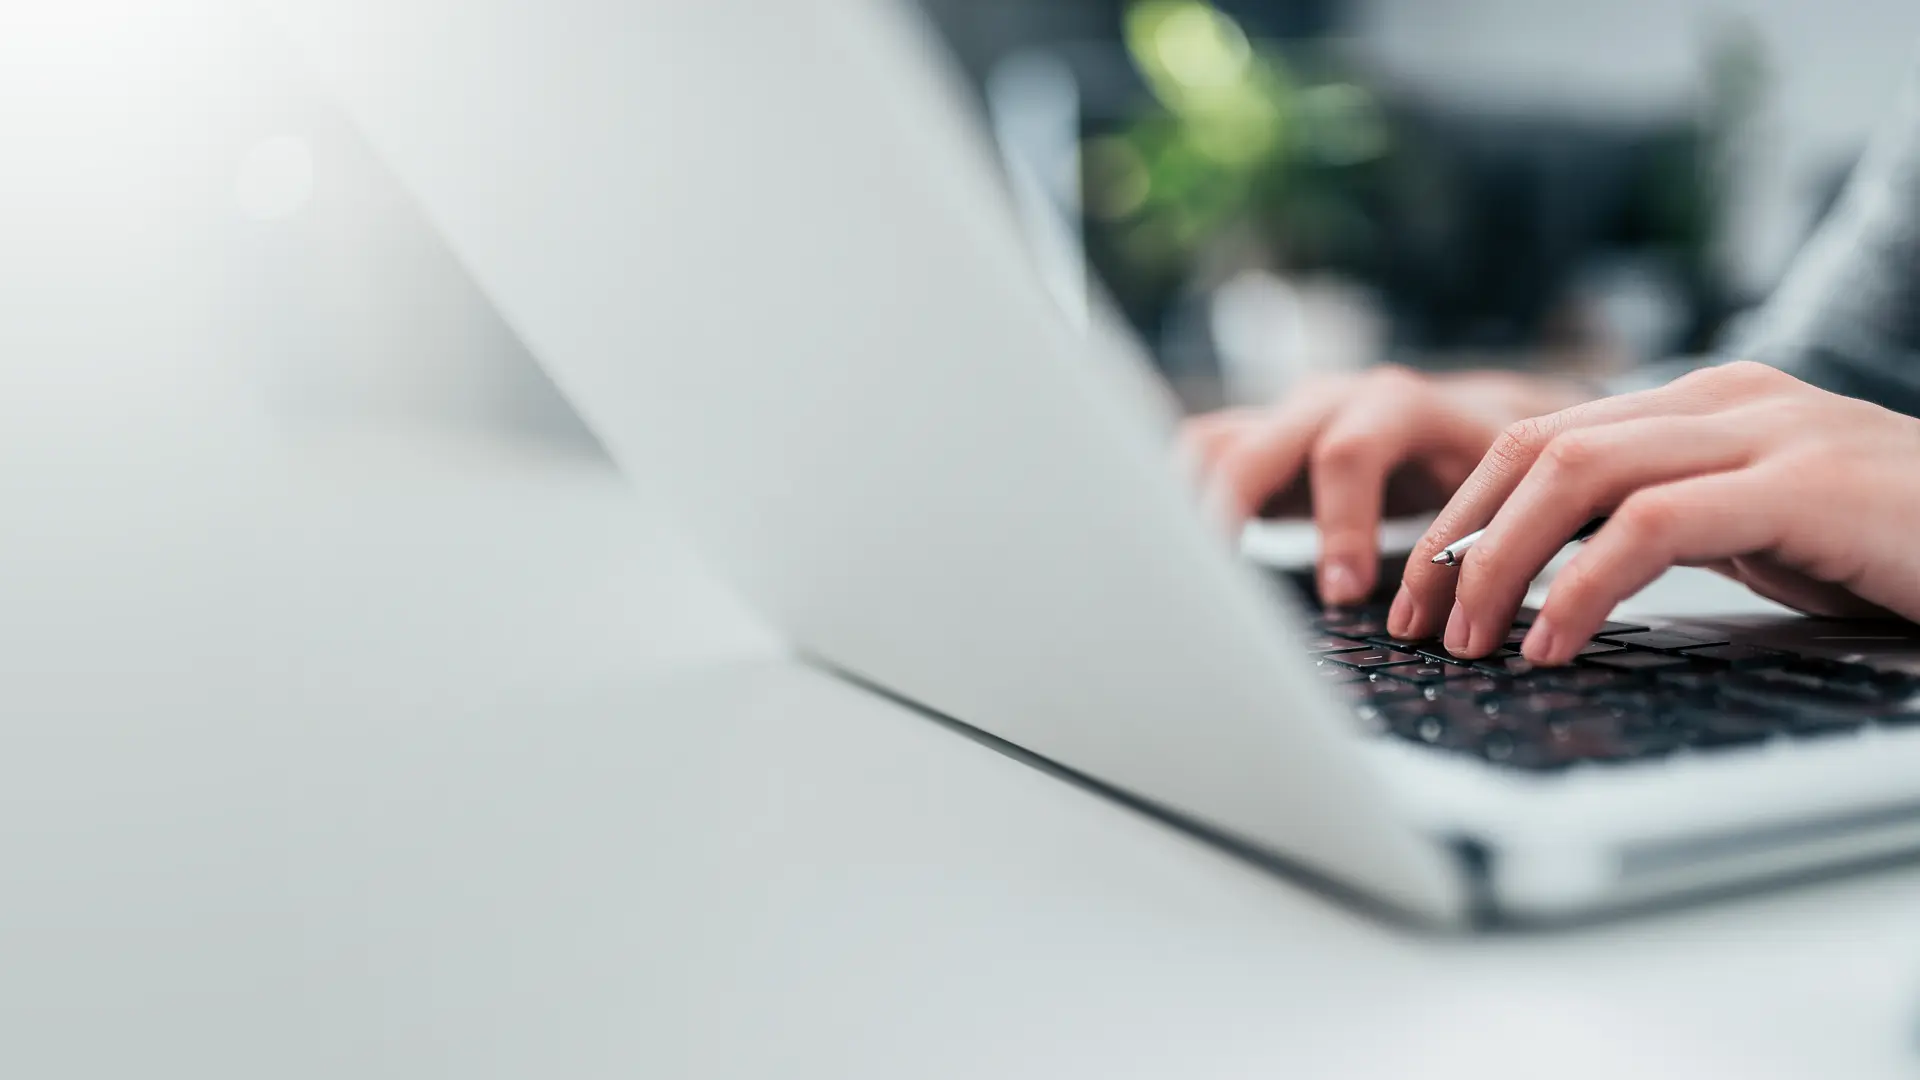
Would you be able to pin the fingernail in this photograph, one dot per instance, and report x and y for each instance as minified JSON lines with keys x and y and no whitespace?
{"x":1399,"y":613}
{"x":1458,"y":632}
{"x":1538,"y":646}
{"x":1340,"y":584}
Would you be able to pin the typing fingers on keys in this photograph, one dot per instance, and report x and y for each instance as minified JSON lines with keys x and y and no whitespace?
{"x":1579,"y":474}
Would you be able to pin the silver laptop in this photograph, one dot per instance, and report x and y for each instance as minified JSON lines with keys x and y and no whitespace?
{"x":761,"y":248}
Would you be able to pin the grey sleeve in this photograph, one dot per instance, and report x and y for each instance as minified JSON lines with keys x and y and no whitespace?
{"x":1847,"y":315}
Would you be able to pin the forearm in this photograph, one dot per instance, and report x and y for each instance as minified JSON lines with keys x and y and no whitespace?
{"x":1847,"y":316}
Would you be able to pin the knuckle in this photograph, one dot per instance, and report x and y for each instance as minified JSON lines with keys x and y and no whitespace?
{"x":1424,"y":549}
{"x":1341,"y":453}
{"x":1520,"y":442}
{"x":1481,"y":573}
{"x":1441,"y":533}
{"x":1571,"y":452}
{"x":1648,"y":514}
{"x":1821,"y":460}
{"x":1748,"y":371}
{"x":1394,"y":377}
{"x":1740,"y":377}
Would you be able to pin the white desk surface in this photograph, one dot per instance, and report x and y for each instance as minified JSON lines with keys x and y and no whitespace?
{"x":385,"y":759}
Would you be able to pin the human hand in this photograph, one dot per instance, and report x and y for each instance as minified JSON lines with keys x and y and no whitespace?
{"x":1808,"y":497}
{"x":1352,"y":448}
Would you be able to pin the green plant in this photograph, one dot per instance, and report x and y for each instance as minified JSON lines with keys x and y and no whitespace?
{"x":1241,"y":138}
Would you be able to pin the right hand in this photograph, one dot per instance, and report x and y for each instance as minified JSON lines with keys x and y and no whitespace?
{"x":1353,"y":448}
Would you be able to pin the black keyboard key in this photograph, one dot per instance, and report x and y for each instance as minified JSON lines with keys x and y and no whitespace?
{"x":1435,"y":651}
{"x":1438,"y":653}
{"x":1554,"y":747}
{"x":1716,"y":727}
{"x":1578,"y":680}
{"x":1886,"y":684}
{"x":1352,"y":623}
{"x":1734,"y":656}
{"x":1793,"y":689}
{"x":1641,"y":745}
{"x":1403,"y":644}
{"x":1689,"y":681}
{"x":1334,"y":673}
{"x":1428,"y":671}
{"x":1372,"y":657}
{"x":1531,"y":708}
{"x":1819,"y":667}
{"x":1611,"y":629}
{"x":1550,"y":702}
{"x":1858,"y":680}
{"x":1372,"y":700}
{"x":1807,"y":712}
{"x":1586,"y":739}
{"x":1403,"y":718}
{"x":1660,"y":640}
{"x":1443,"y":724}
{"x":1633,"y":698}
{"x":1515,"y":636}
{"x":1382,"y":690}
{"x":1429,"y":728}
{"x":1473,"y":686}
{"x":1326,"y":643}
{"x":1632,"y":660}
{"x":1509,"y":664}
{"x":1598,"y":648}
{"x":1588,"y":712}
{"x":1499,"y":746}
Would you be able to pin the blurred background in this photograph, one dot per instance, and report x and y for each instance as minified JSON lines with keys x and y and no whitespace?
{"x":1262,"y":188}
{"x":1267,"y":188}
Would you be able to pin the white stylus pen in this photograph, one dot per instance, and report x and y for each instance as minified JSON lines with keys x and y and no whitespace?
{"x":1450,"y":555}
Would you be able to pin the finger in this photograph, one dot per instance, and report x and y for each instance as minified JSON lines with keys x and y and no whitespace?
{"x":1204,"y":447}
{"x":1197,"y":433}
{"x":1702,"y":519}
{"x":1349,"y":468}
{"x":1273,"y":454}
{"x":1429,"y":587}
{"x":1201,"y":436}
{"x":1581,"y":473}
{"x":1786,"y":586}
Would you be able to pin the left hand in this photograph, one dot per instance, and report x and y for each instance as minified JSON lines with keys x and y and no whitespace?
{"x":1810,"y":498}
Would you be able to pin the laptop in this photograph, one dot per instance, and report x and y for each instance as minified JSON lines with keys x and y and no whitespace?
{"x":764,"y":250}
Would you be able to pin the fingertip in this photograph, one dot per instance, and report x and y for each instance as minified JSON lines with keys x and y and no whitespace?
{"x":1456,"y":635}
{"x":1555,"y":640}
{"x":1541,"y":646}
{"x":1337,"y":585}
{"x":1349,"y":568}
{"x":1237,"y":488}
{"x":1422,"y":600}
{"x":1400,"y":614}
{"x":1345,"y":579}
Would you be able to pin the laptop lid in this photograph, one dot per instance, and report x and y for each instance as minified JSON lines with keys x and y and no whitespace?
{"x":763,"y":253}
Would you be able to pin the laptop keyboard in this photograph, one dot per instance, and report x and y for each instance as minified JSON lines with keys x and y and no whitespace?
{"x":1635,"y":694}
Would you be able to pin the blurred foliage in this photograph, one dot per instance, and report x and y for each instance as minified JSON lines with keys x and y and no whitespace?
{"x":1292,"y":160}
{"x":1242,"y":138}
